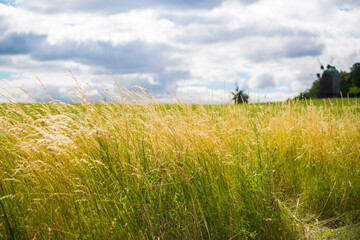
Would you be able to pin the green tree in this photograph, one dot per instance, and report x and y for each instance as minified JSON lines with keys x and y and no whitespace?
{"x":351,"y":82}
{"x":312,"y":92}
{"x":355,"y":75}
{"x":354,"y":91}
{"x":345,"y":83}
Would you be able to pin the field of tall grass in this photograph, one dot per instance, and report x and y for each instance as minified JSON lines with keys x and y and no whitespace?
{"x":140,"y":169}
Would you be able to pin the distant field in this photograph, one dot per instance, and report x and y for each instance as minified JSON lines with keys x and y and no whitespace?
{"x":152,"y":171}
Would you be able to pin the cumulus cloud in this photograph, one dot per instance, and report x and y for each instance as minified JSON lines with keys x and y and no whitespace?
{"x":268,"y":49}
{"x":113,"y":6}
{"x":182,"y":46}
{"x":264,"y":80}
{"x":116,"y":6}
{"x":214,"y":34}
{"x":20,"y":43}
{"x":128,"y":58}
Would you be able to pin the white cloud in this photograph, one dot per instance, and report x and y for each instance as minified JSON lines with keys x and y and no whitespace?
{"x":263,"y":80}
{"x":267,"y":45}
{"x":82,"y":27}
{"x":205,"y":95}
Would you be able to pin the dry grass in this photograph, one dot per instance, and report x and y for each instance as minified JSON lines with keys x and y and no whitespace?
{"x":140,"y":169}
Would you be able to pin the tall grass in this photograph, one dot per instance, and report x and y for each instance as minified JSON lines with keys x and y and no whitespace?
{"x":140,"y":169}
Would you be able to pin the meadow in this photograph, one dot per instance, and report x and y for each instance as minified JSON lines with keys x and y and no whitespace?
{"x":141,"y":169}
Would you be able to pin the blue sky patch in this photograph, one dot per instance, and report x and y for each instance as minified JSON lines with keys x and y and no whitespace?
{"x":220,"y":85}
{"x":8,"y":2}
{"x":6,"y":75}
{"x":346,"y":9}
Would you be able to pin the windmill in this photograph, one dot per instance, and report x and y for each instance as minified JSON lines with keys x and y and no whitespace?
{"x":239,"y":96}
{"x":329,"y":81}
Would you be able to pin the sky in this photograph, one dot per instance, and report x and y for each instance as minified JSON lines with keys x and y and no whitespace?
{"x":198,"y":50}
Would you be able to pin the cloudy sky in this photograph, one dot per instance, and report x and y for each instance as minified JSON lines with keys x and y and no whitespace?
{"x":196,"y":49}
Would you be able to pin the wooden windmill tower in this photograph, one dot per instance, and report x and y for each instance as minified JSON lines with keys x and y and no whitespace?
{"x":329,"y":84}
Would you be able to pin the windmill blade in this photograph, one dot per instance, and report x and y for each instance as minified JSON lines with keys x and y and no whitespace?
{"x":321,"y":65}
{"x":331,"y":61}
{"x":236,"y":85}
{"x":319,"y":61}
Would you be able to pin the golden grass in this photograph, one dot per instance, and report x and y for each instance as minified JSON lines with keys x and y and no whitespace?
{"x":141,"y":169}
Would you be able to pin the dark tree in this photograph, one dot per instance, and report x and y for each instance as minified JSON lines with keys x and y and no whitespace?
{"x":345,"y":83}
{"x":355,"y":74}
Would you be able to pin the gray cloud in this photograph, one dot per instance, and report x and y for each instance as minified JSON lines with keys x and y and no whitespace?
{"x":185,"y":20}
{"x":288,"y":48}
{"x":168,"y":79}
{"x":215,"y":34}
{"x":264,"y":80}
{"x":165,"y":80}
{"x":133,"y":57}
{"x":19,"y":43}
{"x":129,"y":58}
{"x":3,"y":24}
{"x":114,"y":6}
{"x":303,"y":47}
{"x":349,"y":3}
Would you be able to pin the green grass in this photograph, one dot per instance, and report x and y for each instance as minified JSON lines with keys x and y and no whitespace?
{"x":152,"y":171}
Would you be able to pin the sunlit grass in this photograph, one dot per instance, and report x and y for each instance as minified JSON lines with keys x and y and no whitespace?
{"x":144,"y":170}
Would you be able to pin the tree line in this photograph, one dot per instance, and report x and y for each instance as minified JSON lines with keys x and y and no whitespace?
{"x":349,"y":84}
